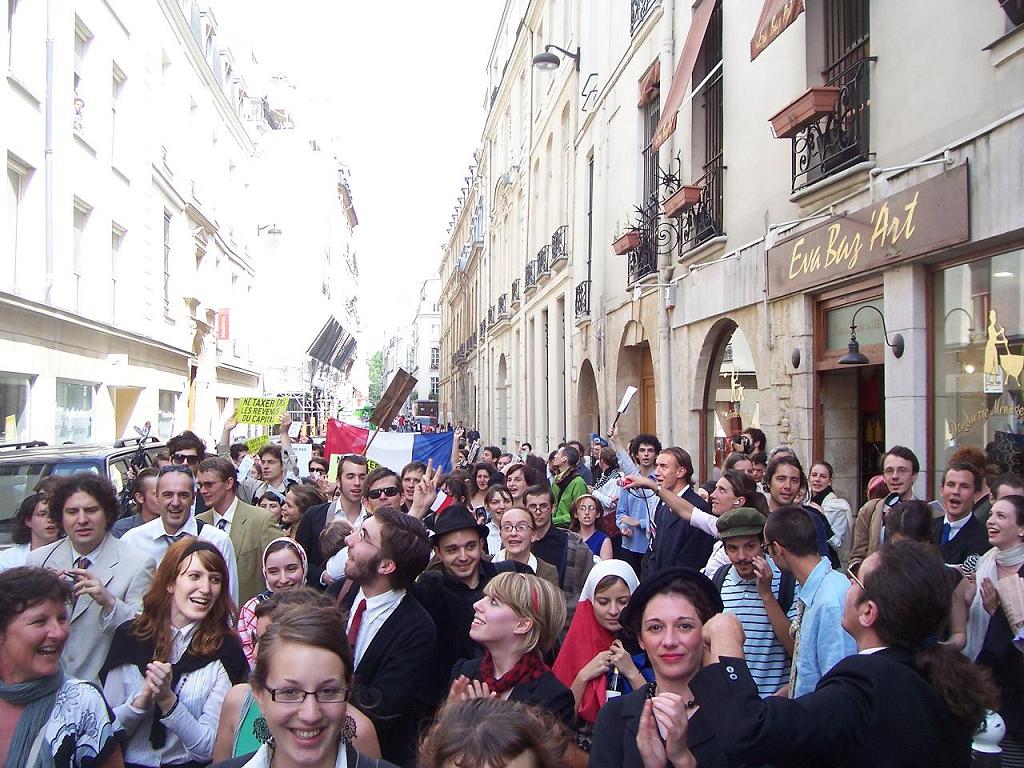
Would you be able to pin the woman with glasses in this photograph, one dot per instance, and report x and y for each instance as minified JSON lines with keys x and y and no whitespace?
{"x":301,"y":682}
{"x":298,"y":499}
{"x":518,"y":533}
{"x":243,"y":728}
{"x":517,"y":620}
{"x":284,"y":569}
{"x":32,"y":528}
{"x":584,"y":514}
{"x":169,"y":669}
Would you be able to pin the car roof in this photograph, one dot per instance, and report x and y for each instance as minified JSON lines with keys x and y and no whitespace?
{"x":57,"y":453}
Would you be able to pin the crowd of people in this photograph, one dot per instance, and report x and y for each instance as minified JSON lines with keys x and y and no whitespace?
{"x":599,"y":606}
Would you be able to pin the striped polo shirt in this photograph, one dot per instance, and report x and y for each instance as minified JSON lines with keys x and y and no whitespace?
{"x":764,"y":654}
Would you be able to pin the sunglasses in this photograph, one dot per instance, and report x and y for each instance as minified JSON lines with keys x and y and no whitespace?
{"x":376,"y":493}
{"x":184,"y":458}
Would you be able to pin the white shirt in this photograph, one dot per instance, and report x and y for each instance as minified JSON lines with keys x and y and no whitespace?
{"x":956,"y":525}
{"x":14,"y":556}
{"x":180,"y":638}
{"x":262,"y":758}
{"x":151,"y":539}
{"x":378,"y":610}
{"x":229,"y":515}
{"x":335,"y":565}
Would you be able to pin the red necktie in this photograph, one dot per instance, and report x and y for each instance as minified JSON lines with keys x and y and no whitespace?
{"x":357,"y":621}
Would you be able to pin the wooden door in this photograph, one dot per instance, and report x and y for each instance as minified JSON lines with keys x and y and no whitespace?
{"x":648,"y":408}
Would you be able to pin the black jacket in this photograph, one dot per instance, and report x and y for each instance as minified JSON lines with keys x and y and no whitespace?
{"x":972,"y":539}
{"x":546,"y":691}
{"x":676,"y":542}
{"x":868,"y":711}
{"x":308,"y":535}
{"x":391,"y":675}
{"x":1000,"y":655}
{"x":355,"y":760}
{"x":614,"y":743}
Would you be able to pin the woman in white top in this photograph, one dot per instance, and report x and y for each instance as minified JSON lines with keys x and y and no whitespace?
{"x":169,"y":669}
{"x":836,"y":510}
{"x":33,"y":528}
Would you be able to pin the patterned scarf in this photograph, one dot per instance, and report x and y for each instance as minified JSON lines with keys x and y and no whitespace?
{"x":529,"y":667}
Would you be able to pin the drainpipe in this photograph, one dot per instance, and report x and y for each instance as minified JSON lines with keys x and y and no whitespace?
{"x":48,"y":154}
{"x":665,"y":410}
{"x":529,"y":370}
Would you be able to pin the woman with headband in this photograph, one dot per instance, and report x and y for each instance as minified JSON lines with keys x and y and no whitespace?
{"x":284,"y":569}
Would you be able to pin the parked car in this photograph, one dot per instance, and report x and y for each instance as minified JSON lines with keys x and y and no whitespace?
{"x":22,"y":465}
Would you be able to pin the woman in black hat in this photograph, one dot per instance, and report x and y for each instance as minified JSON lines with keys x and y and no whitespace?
{"x":666,"y":614}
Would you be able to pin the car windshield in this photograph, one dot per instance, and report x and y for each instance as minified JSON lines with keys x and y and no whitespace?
{"x":17,"y":479}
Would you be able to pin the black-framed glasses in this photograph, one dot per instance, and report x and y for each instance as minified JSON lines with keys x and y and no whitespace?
{"x":184,"y":458}
{"x":317,"y":471}
{"x":376,"y":493}
{"x":298,"y":696}
{"x":166,"y":469}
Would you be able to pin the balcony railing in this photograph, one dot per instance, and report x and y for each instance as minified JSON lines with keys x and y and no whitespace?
{"x":542,"y":264}
{"x":582,"y":299}
{"x":704,"y":220}
{"x":638,"y":11}
{"x":483,"y":327}
{"x":839,"y":139}
{"x":653,"y":228}
{"x":503,"y":306}
{"x":516,"y":292}
{"x":559,"y":245}
{"x":490,"y":316}
{"x":531,"y":276}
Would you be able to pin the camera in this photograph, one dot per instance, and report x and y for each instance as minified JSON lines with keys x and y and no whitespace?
{"x":742,"y":443}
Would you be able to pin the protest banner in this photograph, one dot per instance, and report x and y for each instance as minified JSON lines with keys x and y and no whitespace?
{"x":253,"y":444}
{"x":260,"y":410}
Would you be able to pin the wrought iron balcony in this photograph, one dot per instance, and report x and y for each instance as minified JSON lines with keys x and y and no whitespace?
{"x":703,"y":221}
{"x":531,"y":276}
{"x":655,"y":231}
{"x":583,"y":299}
{"x":840,"y":139}
{"x":471,"y":343}
{"x":542,"y":264}
{"x":516,"y":292}
{"x":503,"y":306}
{"x":559,"y":252}
{"x":638,"y":11}
{"x":490,"y":316}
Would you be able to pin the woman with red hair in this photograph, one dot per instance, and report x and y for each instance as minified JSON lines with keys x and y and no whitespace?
{"x":169,"y":669}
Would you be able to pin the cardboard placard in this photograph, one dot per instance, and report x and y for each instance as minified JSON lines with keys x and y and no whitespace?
{"x":260,"y":410}
{"x":391,"y":401}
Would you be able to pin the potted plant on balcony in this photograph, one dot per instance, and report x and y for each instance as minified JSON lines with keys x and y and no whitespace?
{"x":811,"y":105}
{"x":625,"y":240}
{"x":687,"y":196}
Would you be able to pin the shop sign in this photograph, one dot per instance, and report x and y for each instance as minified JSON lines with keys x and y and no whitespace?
{"x":918,"y":220}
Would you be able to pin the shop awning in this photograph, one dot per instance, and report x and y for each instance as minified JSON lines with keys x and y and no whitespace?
{"x":776,"y":15}
{"x":684,"y":70}
{"x":333,"y":346}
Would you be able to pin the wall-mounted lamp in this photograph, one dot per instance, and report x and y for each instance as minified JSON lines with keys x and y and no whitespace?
{"x":548,"y":61}
{"x":272,"y":230}
{"x":854,"y":356}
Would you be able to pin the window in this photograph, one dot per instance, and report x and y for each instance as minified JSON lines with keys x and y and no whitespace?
{"x":435,"y":358}
{"x":167,"y":263}
{"x":435,"y":387}
{"x":14,"y":392}
{"x":165,"y":420}
{"x":74,"y":411}
{"x":116,"y":238}
{"x":12,"y":21}
{"x":17,"y":179}
{"x":82,"y":39}
{"x":117,"y":86}
{"x":704,"y":220}
{"x":78,"y":245}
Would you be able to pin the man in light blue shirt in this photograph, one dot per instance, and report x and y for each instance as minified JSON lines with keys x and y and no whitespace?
{"x":819,"y":638}
{"x":636,"y":506}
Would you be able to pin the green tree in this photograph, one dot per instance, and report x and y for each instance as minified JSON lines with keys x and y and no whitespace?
{"x":376,"y":377}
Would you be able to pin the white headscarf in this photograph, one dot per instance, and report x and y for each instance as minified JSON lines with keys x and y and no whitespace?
{"x":609,"y":568}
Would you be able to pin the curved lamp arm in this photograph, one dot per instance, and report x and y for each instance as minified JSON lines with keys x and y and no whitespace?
{"x":854,"y":356}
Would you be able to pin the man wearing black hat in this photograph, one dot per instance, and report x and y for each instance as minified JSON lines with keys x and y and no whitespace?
{"x":759,"y":595}
{"x":452,"y":583}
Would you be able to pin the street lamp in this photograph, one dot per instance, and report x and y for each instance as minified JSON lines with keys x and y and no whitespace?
{"x":548,"y":61}
{"x":272,"y":231}
{"x":854,"y":355}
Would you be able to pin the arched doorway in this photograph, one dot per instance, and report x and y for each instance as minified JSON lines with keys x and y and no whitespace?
{"x":501,"y":405}
{"x":588,"y":411}
{"x":636,"y":368}
{"x":731,"y":397}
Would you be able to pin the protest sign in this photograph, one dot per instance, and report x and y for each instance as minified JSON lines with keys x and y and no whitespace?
{"x":260,"y":410}
{"x":253,"y":444}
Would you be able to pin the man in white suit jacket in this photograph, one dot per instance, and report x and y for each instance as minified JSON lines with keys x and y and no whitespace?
{"x":109,"y":578}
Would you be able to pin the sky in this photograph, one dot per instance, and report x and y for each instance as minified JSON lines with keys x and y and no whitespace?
{"x":402,"y":86}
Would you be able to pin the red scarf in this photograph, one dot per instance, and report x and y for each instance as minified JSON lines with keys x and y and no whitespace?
{"x":586,"y":638}
{"x":529,"y":667}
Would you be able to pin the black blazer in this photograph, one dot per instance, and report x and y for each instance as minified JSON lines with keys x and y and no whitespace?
{"x":391,"y":675}
{"x":868,"y":711}
{"x":614,"y":743}
{"x":676,"y":542}
{"x":355,"y":760}
{"x":308,"y":535}
{"x":971,"y":540}
{"x":545,"y":691}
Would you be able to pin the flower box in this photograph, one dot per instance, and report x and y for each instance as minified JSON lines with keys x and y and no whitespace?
{"x":682,"y":201}
{"x":630,"y":241}
{"x":804,"y":110}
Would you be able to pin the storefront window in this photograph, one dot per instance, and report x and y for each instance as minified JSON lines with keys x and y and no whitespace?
{"x":732,"y":397}
{"x":14,"y":407}
{"x":74,"y":411}
{"x":165,"y":424}
{"x":978,"y":334}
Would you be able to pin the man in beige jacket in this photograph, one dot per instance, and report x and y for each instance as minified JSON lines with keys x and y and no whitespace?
{"x":899,"y":468}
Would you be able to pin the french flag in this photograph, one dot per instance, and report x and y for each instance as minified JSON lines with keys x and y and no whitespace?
{"x":390,"y":449}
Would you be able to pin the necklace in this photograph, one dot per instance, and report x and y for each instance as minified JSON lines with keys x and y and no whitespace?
{"x":652,"y":691}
